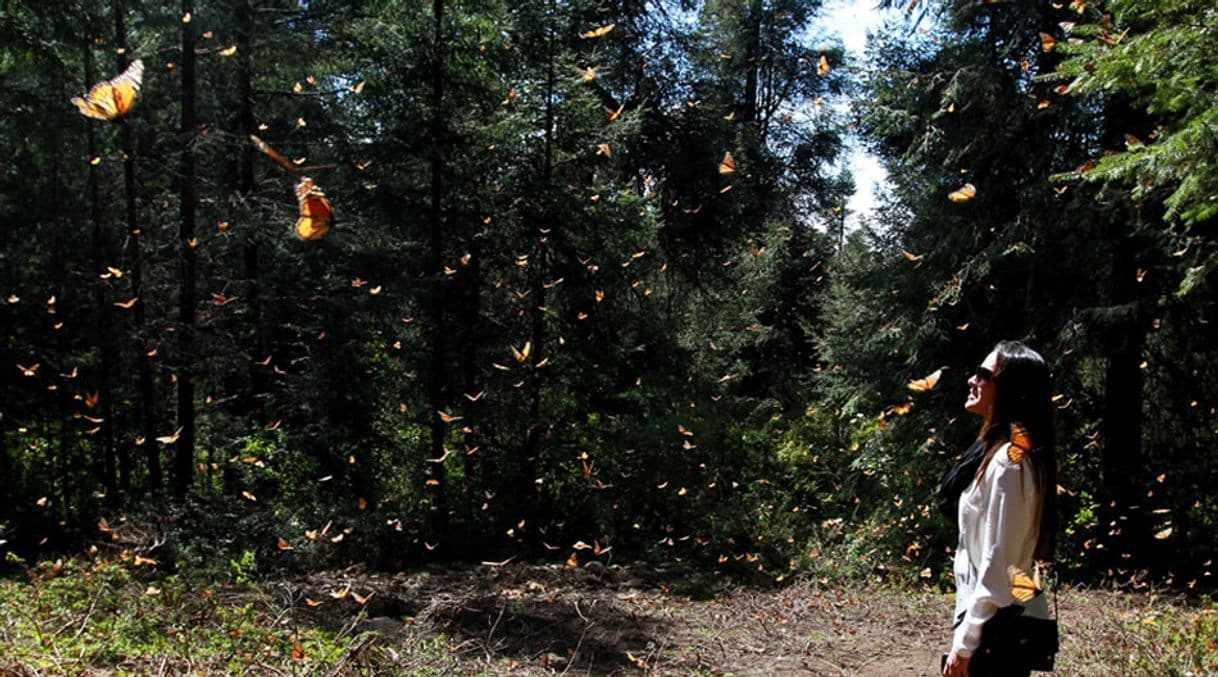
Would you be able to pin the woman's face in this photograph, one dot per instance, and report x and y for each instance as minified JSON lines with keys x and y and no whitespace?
{"x":981,"y":387}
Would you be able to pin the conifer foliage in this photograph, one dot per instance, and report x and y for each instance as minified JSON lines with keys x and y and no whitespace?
{"x":454,"y":279}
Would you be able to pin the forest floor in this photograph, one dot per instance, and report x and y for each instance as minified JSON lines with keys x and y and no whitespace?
{"x":541,"y":619}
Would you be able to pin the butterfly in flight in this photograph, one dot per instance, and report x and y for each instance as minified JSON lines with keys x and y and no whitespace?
{"x":728,"y":164}
{"x":922,"y":385}
{"x":288,"y":165}
{"x":597,"y":32}
{"x":965,"y":193}
{"x":113,"y":98}
{"x":315,"y":211}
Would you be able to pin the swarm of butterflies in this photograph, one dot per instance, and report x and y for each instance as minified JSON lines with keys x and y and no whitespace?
{"x":113,"y":99}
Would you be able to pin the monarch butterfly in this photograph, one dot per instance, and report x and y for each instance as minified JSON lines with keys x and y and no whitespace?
{"x":113,"y":98}
{"x":822,"y":66}
{"x":1023,"y":586}
{"x":315,"y":211}
{"x":965,"y":193}
{"x":1021,"y":443}
{"x":273,"y":154}
{"x":597,"y":32}
{"x":922,"y":385}
{"x":728,"y":164}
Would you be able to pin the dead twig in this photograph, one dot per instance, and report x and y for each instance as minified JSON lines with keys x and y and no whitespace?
{"x":575,"y":654}
{"x":491,"y":634}
{"x":839,"y":669}
{"x":353,"y":652}
{"x":581,"y":614}
{"x":89,"y":613}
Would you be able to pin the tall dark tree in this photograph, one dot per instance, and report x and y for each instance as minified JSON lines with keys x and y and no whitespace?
{"x":147,"y":405}
{"x":184,"y":453}
{"x":104,"y":310}
{"x":437,"y":383}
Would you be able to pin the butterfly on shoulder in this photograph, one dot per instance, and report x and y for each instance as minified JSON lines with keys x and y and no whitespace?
{"x":1023,"y":586}
{"x":113,"y":98}
{"x":1021,"y":443}
{"x":316,"y":215}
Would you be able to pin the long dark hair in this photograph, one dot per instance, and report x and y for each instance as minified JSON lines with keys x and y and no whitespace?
{"x":1023,"y":388}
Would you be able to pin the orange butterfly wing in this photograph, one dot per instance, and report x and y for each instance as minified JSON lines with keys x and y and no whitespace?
{"x":1023,"y":586}
{"x":597,"y":32}
{"x":965,"y":193}
{"x":98,"y":103}
{"x":113,"y":98}
{"x":922,"y":385}
{"x":273,"y":154}
{"x":728,"y":164}
{"x":1021,"y":443}
{"x":315,"y":211}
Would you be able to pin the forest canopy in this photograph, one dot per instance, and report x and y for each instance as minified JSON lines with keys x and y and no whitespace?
{"x":400,"y":281}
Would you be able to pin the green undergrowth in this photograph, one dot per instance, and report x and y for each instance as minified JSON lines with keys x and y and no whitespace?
{"x":1162,"y":637}
{"x":80,"y":615}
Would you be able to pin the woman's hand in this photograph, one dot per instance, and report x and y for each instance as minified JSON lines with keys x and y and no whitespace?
{"x":956,"y":666}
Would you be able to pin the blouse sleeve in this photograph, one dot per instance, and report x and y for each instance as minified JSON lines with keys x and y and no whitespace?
{"x":1003,"y":527}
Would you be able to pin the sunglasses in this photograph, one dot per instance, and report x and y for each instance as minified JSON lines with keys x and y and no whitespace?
{"x":983,"y":374}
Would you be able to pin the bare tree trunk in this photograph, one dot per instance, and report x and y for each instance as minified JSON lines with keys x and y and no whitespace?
{"x":183,"y":464}
{"x":135,"y":258}
{"x":101,"y":253}
{"x":58,"y":278}
{"x":250,"y":245}
{"x":469,"y":360}
{"x":752,"y":63}
{"x":538,"y":263}
{"x":1122,"y":462}
{"x":435,"y":383}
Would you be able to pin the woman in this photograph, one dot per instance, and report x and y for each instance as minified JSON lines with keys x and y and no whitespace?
{"x":1006,"y":512}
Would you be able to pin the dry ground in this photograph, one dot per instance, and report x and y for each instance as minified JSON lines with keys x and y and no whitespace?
{"x":549,"y":619}
{"x":524,"y":619}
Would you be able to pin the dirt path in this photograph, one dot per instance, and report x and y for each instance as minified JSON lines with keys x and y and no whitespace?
{"x":523,"y":619}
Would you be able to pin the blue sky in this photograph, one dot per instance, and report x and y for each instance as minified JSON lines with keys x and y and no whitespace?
{"x":851,"y":19}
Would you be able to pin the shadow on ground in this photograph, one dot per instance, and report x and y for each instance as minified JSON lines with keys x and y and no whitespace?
{"x":546,"y":617}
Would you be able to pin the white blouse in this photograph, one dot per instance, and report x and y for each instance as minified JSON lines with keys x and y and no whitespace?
{"x":998,"y":528}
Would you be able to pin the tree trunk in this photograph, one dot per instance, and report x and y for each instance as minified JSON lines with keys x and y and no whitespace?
{"x":752,"y":63}
{"x":135,"y":258}
{"x":469,"y":360}
{"x":58,"y":276}
{"x":1123,"y":477}
{"x":1122,"y":461}
{"x":250,"y":246}
{"x":538,"y":263}
{"x":101,"y":258}
{"x":435,"y":383}
{"x":183,"y":464}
